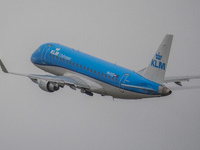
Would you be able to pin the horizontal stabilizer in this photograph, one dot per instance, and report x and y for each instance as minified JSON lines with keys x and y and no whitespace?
{"x":179,"y":79}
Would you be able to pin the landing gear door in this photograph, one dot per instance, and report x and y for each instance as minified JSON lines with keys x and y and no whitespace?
{"x":123,"y":80}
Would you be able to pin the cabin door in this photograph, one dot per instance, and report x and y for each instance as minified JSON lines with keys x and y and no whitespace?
{"x":123,"y":80}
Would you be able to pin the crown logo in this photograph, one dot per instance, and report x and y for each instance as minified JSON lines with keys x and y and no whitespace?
{"x":158,"y":56}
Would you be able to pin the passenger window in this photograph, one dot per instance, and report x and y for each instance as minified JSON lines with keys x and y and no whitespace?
{"x":102,"y":74}
{"x":49,"y":55}
{"x":108,"y":77}
{"x":53,"y":56}
{"x":98,"y":73}
{"x":84,"y":67}
{"x":63,"y":60}
{"x":91,"y":70}
{"x":70,"y":62}
{"x":95,"y":71}
{"x":60,"y":58}
{"x":56,"y":57}
{"x":87,"y":69}
{"x":66,"y":61}
{"x":73,"y":64}
{"x":112,"y":78}
{"x":116,"y":79}
{"x":80,"y":66}
{"x":76,"y":65}
{"x":105,"y":75}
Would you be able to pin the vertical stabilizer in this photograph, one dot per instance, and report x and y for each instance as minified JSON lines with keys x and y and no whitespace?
{"x":158,"y":65}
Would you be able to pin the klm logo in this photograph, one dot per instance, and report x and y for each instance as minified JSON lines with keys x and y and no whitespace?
{"x":54,"y":52}
{"x":157,"y":62}
{"x":158,"y":56}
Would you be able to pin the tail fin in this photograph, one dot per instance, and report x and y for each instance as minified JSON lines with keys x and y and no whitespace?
{"x":157,"y":68}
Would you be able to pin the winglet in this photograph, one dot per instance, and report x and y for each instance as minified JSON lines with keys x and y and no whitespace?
{"x":3,"y":67}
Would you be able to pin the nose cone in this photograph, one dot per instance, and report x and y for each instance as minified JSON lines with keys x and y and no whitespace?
{"x":35,"y":57}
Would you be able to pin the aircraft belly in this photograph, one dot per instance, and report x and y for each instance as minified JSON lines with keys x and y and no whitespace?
{"x":96,"y":86}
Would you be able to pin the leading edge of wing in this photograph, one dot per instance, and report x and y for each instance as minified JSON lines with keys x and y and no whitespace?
{"x":56,"y":79}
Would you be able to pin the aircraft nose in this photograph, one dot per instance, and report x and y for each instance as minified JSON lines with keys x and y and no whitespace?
{"x":35,"y":57}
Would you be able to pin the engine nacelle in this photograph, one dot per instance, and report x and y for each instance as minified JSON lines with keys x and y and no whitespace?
{"x":48,"y":86}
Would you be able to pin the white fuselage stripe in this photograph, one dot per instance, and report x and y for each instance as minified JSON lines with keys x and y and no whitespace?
{"x":97,"y":86}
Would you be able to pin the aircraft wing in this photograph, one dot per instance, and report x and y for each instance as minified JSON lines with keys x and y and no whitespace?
{"x":73,"y":82}
{"x":178,"y":80}
{"x":60,"y":80}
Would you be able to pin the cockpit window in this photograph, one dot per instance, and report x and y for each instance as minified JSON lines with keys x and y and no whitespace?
{"x":49,"y":45}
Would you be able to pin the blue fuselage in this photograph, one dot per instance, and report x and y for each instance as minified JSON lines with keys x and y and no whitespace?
{"x":60,"y":60}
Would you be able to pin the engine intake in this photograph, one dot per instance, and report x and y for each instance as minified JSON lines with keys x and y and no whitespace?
{"x":48,"y":86}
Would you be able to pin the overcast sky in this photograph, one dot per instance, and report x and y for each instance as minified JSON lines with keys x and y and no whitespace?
{"x":127,"y":32}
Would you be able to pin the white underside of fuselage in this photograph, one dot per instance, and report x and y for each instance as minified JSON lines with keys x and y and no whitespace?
{"x":96,"y":86}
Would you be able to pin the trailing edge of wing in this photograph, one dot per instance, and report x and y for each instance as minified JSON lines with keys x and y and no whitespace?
{"x":139,"y":87}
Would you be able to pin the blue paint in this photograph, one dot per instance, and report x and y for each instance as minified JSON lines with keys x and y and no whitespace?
{"x":157,"y":64}
{"x":52,"y":54}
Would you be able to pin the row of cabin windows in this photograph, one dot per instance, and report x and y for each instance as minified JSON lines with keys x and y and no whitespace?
{"x":70,"y":62}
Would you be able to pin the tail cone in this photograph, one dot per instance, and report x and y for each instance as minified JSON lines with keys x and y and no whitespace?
{"x":164,"y":91}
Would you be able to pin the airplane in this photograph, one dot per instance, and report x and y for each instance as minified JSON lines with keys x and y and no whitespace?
{"x":93,"y":75}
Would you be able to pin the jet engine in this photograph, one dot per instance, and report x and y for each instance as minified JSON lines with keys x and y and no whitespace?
{"x":48,"y":86}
